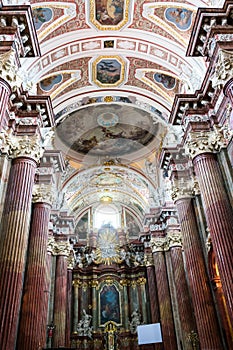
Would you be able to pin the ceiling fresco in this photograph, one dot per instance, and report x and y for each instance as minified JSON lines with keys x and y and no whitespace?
{"x":112,"y":69}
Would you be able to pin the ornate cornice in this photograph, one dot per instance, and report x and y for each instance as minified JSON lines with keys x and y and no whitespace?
{"x":9,"y":70}
{"x":223,"y":69}
{"x":205,"y":142}
{"x":24,"y":146}
{"x":43,"y":194}
{"x":159,"y":244}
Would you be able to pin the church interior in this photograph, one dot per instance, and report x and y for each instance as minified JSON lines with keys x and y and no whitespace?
{"x":116,"y":179}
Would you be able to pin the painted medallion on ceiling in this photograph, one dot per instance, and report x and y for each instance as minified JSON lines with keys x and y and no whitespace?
{"x":165,"y":80}
{"x":109,"y":14}
{"x":41,"y":15}
{"x":108,"y":71}
{"x":180,"y":17}
{"x":48,"y":84}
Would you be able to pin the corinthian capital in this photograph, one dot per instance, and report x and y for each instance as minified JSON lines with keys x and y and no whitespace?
{"x":174,"y":239}
{"x":62,"y":248}
{"x":223,"y":69}
{"x":25,"y":146}
{"x":182,"y":188}
{"x":43,"y":193}
{"x":159,"y":244}
{"x":9,"y":70}
{"x":71,"y":260}
{"x":203,"y":142}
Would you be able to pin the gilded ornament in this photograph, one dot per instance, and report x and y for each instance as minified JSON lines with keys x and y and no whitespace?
{"x":159,"y":244}
{"x":51,"y":245}
{"x":174,"y":239}
{"x":62,"y":248}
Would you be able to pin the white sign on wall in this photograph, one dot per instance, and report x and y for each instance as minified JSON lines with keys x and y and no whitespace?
{"x":150,"y":333}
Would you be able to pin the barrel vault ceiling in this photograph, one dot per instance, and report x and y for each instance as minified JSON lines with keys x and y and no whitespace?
{"x":112,"y":69}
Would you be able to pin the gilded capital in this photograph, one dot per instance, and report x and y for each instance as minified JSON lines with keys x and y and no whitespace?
{"x":43,"y":194}
{"x":205,"y":142}
{"x":159,"y":244}
{"x":9,"y":69}
{"x":62,"y":248}
{"x":25,"y":146}
{"x":51,"y":245}
{"x":223,"y":69}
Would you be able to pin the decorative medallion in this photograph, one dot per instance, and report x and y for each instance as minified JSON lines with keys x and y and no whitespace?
{"x":109,"y":14}
{"x":180,"y":17}
{"x":41,"y":15}
{"x":108,"y":71}
{"x":47,"y":84}
{"x":166,"y":80}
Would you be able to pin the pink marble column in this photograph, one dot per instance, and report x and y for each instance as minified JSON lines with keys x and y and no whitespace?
{"x":68,"y":307}
{"x":60,"y":295}
{"x":164,"y":298}
{"x":154,"y":304}
{"x":13,"y":246}
{"x":5,"y":91}
{"x":32,"y":312}
{"x":187,"y":320}
{"x":204,"y":310}
{"x":219,"y":216}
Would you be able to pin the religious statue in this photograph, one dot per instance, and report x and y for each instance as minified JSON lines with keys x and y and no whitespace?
{"x":84,"y":327}
{"x":136,"y":320}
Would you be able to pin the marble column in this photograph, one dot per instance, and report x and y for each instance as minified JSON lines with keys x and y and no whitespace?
{"x":153,"y":294}
{"x":14,"y":234}
{"x":219,"y":216}
{"x":5,"y":91}
{"x":60,"y":293}
{"x":187,"y":320}
{"x":70,"y":265}
{"x":165,"y":307}
{"x":35,"y":277}
{"x":204,"y":310}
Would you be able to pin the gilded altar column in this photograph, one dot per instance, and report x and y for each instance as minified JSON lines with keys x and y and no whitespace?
{"x":60,"y":293}
{"x":186,"y":316}
{"x":217,"y":207}
{"x":159,"y":245}
{"x":25,"y":152}
{"x":204,"y":310}
{"x":35,"y":278}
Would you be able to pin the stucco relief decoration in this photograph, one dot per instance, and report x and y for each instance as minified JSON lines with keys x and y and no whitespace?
{"x":180,"y":17}
{"x":9,"y":70}
{"x":223,"y":69}
{"x":108,"y":71}
{"x":109,"y":14}
{"x":25,"y":147}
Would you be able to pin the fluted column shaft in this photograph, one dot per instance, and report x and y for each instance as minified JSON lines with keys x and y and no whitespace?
{"x":207,"y":324}
{"x":166,"y":316}
{"x":35,"y":281}
{"x":184,"y":305}
{"x":5,"y":92}
{"x":60,"y":301}
{"x":13,"y":246}
{"x":219,"y":216}
{"x":76,"y":306}
{"x":68,"y":307}
{"x":154,"y":304}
